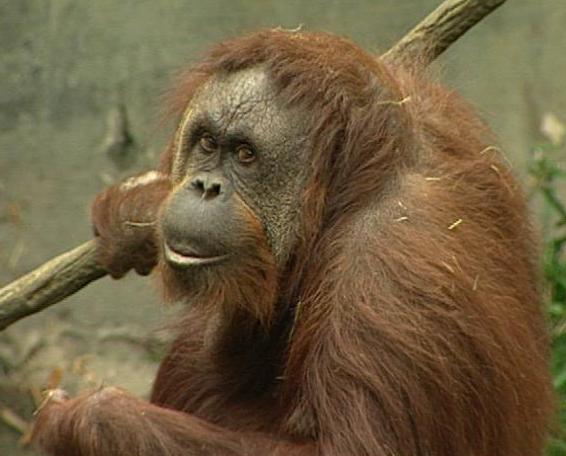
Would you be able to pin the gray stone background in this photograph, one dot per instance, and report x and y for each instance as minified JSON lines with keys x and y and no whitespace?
{"x":67,"y":67}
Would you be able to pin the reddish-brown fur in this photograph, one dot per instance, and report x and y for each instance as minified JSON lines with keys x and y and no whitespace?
{"x":407,"y":321}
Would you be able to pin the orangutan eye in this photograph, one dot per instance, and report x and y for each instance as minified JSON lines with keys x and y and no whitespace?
{"x":207,"y":143}
{"x":245,"y":154}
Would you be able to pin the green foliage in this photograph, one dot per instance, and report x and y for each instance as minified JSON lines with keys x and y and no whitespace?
{"x":550,"y":185}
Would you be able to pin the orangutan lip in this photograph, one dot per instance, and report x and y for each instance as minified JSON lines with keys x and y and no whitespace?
{"x":183,"y":260}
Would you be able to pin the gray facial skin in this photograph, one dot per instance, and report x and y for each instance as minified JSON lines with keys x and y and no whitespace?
{"x":242,"y":108}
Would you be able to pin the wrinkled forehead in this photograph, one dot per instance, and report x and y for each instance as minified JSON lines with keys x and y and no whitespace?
{"x":237,"y":93}
{"x":247,"y":103}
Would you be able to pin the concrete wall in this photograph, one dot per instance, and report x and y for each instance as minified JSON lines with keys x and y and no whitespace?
{"x":67,"y":65}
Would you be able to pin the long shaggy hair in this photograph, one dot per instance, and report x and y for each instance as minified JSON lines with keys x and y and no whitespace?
{"x":407,"y":321}
{"x":440,"y":295}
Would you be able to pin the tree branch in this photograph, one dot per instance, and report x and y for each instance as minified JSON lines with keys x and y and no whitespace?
{"x":49,"y":284}
{"x":71,"y":271}
{"x":436,"y":32}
